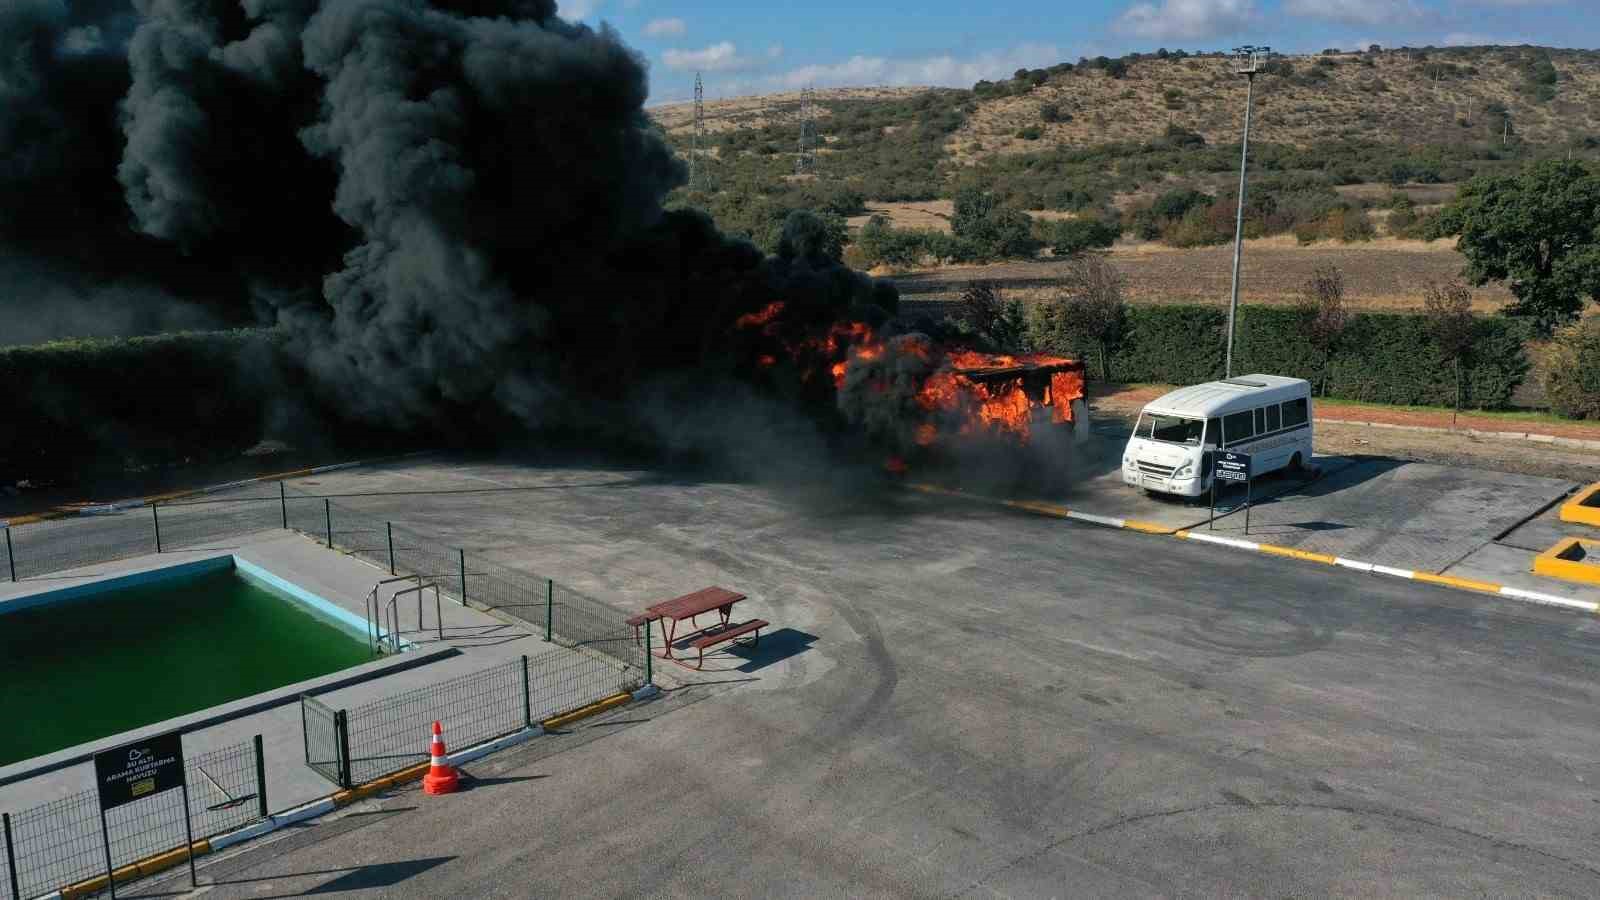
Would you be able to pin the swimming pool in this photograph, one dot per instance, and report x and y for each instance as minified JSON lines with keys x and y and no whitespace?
{"x":98,"y":660}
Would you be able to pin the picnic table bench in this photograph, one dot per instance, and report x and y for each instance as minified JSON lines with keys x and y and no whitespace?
{"x":691,"y":606}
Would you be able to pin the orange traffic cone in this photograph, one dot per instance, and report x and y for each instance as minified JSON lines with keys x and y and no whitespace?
{"x":441,"y":777}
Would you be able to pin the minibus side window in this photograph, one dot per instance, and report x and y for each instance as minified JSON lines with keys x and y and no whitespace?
{"x":1261,"y":420}
{"x":1213,"y":432}
{"x":1272,"y":418}
{"x":1237,"y":428}
{"x":1294,"y":413}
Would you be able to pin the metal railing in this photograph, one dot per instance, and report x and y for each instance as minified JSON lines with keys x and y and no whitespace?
{"x":61,"y":843}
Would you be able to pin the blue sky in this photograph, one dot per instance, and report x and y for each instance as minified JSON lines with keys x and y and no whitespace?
{"x":745,"y":48}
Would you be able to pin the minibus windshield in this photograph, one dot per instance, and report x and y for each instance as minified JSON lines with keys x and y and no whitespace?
{"x":1170,"y":429}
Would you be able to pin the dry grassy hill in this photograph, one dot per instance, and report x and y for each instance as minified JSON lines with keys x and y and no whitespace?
{"x":1385,"y":96}
{"x":1421,"y":97}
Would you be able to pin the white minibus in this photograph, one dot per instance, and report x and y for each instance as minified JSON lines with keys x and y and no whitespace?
{"x":1266,"y":416}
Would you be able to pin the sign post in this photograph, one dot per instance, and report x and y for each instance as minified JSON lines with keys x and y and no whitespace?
{"x":1234,"y":467}
{"x":136,"y":771}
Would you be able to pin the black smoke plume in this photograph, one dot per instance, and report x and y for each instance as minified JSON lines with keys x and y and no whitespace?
{"x":452,"y":208}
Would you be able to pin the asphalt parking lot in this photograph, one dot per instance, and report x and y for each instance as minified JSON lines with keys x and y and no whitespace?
{"x":963,"y":701}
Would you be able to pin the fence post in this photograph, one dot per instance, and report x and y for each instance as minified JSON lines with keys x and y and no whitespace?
{"x":462,"y":555}
{"x":283,"y":505}
{"x":649,"y":654}
{"x":527,"y":697}
{"x":327,"y":514}
{"x":389,"y":527}
{"x":11,"y":856}
{"x":11,"y":556}
{"x":549,"y":608}
{"x":157,"y":519}
{"x":341,"y":726}
{"x":261,"y":776}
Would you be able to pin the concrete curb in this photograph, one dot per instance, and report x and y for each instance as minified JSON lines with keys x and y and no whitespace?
{"x":166,"y":860}
{"x":1466,"y":584}
{"x":104,"y":509}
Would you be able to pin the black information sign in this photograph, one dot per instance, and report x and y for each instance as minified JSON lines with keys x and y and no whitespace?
{"x":1232,"y":467}
{"x":138,"y":770}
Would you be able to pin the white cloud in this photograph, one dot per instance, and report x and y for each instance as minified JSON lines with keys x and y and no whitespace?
{"x":719,"y":57}
{"x":943,"y":70}
{"x":665,"y":28}
{"x":1355,"y":12}
{"x":1186,"y":19}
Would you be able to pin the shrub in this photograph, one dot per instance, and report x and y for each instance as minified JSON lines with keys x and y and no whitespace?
{"x":1051,"y":112}
{"x":1067,"y":237}
{"x":1030,"y":133}
{"x":1380,"y":358}
{"x":1572,"y":377}
{"x":81,"y":405}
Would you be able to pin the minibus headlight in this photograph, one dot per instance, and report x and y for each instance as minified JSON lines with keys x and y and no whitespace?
{"x":1184,"y":470}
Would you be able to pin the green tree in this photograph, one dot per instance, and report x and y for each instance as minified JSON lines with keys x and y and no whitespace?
{"x":1538,"y":231}
{"x":813,"y":237}
{"x":994,"y":232}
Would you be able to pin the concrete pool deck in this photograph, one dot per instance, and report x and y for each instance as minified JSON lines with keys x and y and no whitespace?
{"x":473,"y":641}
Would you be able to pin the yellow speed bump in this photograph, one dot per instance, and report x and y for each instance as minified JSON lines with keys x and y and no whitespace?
{"x":1571,"y":559}
{"x":1584,"y":508}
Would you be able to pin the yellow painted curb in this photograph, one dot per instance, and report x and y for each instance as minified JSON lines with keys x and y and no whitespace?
{"x":1298,"y":554}
{"x":147,"y":866}
{"x":1146,"y":527}
{"x":1557,"y":562}
{"x":1584,"y":507}
{"x":1452,"y":581}
{"x":1036,"y":506}
{"x":587,"y":711}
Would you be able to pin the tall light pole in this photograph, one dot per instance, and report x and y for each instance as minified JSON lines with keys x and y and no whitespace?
{"x":1249,"y":59}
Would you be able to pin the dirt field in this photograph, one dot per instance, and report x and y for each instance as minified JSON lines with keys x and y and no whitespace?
{"x":1384,"y":274}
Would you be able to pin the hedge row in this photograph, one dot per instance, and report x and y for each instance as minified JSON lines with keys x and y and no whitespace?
{"x":1379,"y":358}
{"x":85,"y":404}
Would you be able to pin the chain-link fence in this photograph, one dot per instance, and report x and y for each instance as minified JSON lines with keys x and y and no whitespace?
{"x":367,"y":742}
{"x":562,"y":614}
{"x":60,"y":843}
{"x":43,"y":548}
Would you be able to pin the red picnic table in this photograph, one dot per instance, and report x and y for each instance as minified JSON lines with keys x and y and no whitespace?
{"x":691,"y":606}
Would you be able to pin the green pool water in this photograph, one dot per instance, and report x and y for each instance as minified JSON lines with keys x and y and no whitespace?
{"x":82,"y":669}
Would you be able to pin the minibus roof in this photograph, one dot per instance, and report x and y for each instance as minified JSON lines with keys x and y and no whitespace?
{"x":1218,"y":398}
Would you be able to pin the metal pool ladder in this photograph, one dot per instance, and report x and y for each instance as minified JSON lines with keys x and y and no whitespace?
{"x":375,"y":611}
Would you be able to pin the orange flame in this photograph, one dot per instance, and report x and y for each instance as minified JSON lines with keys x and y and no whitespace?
{"x":767,"y":314}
